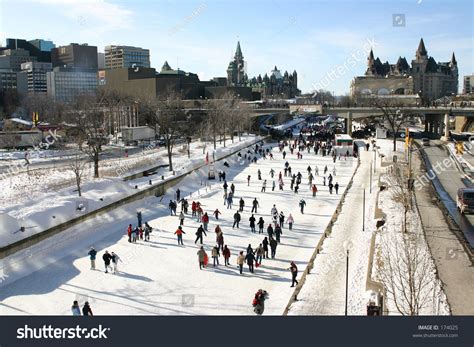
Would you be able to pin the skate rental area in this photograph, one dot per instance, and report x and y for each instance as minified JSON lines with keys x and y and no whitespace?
{"x":161,"y":277}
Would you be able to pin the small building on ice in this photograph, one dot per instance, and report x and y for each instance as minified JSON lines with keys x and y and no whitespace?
{"x":343,"y":143}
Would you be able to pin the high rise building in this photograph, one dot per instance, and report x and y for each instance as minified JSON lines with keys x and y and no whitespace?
{"x":75,"y":56}
{"x":126,"y":56}
{"x":13,"y":58}
{"x":35,"y":75}
{"x":41,"y":49}
{"x":65,"y":83}
{"x":468,"y":84}
{"x":43,"y":45}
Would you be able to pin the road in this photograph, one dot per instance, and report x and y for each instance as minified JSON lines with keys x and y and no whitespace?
{"x":447,"y":182}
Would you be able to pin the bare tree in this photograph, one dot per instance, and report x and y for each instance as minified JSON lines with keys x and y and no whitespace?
{"x":77,"y":165}
{"x":405,"y":269}
{"x":169,"y":116}
{"x":394,"y":117}
{"x":401,"y":193}
{"x":215,"y":112}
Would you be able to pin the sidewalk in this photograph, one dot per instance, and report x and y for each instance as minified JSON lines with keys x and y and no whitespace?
{"x":454,"y":267}
{"x":323,"y":292}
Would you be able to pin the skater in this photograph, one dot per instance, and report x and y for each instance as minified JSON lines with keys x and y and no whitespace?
{"x":241,"y":205}
{"x":336,"y":187}
{"x":259,"y":255}
{"x":325,"y":169}
{"x":273,"y":247}
{"x":92,"y":254}
{"x":273,"y":186}
{"x":115,"y":260}
{"x":107,"y":258}
{"x":265,"y":248}
{"x":282,"y":219}
{"x":302,"y":205}
{"x":284,"y":155}
{"x":178,"y":194}
{"x":254,"y":205}
{"x":259,"y":174}
{"x":181,"y":218}
{"x":252,"y":223}
{"x":199,"y":233}
{"x":219,"y":236}
{"x":272,"y":173}
{"x":294,"y":273}
{"x":316,"y":170}
{"x":240,"y":261}
{"x":236,"y":220}
{"x":147,"y":232}
{"x":229,"y":201}
{"x":248,"y":180}
{"x":216,"y":213}
{"x":290,"y":222}
{"x":314,"y":189}
{"x":226,"y":254}
{"x":139,"y":218}
{"x":215,"y":256}
{"x":202,"y":255}
{"x":261,"y":224}
{"x":75,"y":309}
{"x":135,"y":233}
{"x":232,"y":188}
{"x":278,"y":232}
{"x":324,"y":180}
{"x":225,"y":185}
{"x":274,"y":211}
{"x":258,"y":302}
{"x":129,"y":232}
{"x":179,"y":233}
{"x":205,"y":221}
{"x":297,"y":187}
{"x":330,"y":188}
{"x":193,"y":208}
{"x":250,"y":258}
{"x":264,"y":186}
{"x":86,"y":309}
{"x":270,"y":231}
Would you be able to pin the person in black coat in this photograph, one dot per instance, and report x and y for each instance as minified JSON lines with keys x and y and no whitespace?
{"x":199,"y":233}
{"x":86,"y":309}
{"x":273,"y":246}
{"x":236,"y":220}
{"x":261,"y":224}
{"x":265,"y":248}
{"x":252,"y":223}
{"x":107,"y":258}
{"x":270,"y":231}
{"x":250,"y":258}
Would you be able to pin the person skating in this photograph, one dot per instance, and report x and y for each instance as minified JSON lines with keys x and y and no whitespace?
{"x":273,"y":246}
{"x":314,"y":189}
{"x":219,"y":236}
{"x":254,"y":205}
{"x":236,"y":220}
{"x":248,"y":181}
{"x":264,"y":186}
{"x":129,"y":232}
{"x":297,"y":187}
{"x":199,"y":233}
{"x":241,"y":204}
{"x":106,"y":258}
{"x":240,"y":261}
{"x":135,"y":233}
{"x":171,"y":207}
{"x":193,"y":209}
{"x":302,"y":205}
{"x":205,"y":220}
{"x":226,"y":255}
{"x":225,"y":186}
{"x":75,"y":309}
{"x":147,"y":232}
{"x":139,"y":218}
{"x":115,"y":261}
{"x":215,"y":255}
{"x":178,"y":194}
{"x":274,"y":210}
{"x":261,"y":224}
{"x":278,"y":233}
{"x":201,"y":257}
{"x":265,"y":247}
{"x":325,"y":169}
{"x":290,"y":221}
{"x":86,"y":309}
{"x":336,"y":187}
{"x":258,"y":302}
{"x":181,"y":218}
{"x":92,"y":255}
{"x":252,"y":223}
{"x":179,"y":233}
{"x":259,"y":174}
{"x":316,"y":170}
{"x":230,"y":199}
{"x":259,"y":252}
{"x":270,"y":231}
{"x":232,"y":188}
{"x":331,"y":186}
{"x":272,"y":173}
{"x":294,"y":273}
{"x":216,"y":213}
{"x":250,"y":258}
{"x":284,"y":155}
{"x":282,"y":219}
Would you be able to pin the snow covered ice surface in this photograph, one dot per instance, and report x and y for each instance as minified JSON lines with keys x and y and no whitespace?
{"x":161,"y":278}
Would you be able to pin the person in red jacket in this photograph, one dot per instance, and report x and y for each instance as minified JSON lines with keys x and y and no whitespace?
{"x":205,"y":221}
{"x":226,"y":254}
{"x":179,"y":232}
{"x":314,"y":189}
{"x":129,"y":233}
{"x":193,"y":208}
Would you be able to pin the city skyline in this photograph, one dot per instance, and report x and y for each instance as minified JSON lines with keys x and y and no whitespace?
{"x":196,"y":36}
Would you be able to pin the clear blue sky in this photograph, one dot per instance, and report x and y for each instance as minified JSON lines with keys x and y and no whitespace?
{"x":312,"y":37}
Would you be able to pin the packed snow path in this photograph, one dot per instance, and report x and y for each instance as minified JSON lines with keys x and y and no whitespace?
{"x":159,"y":277}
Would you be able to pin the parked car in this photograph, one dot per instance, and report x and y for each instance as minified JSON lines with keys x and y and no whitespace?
{"x":425,"y":141}
{"x":465,"y":200}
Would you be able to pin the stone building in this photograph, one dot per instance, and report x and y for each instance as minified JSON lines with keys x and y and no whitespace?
{"x":425,"y":77}
{"x":277,"y":85}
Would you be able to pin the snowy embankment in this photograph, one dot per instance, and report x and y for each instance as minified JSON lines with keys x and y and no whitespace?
{"x":41,"y":208}
{"x":323,"y":292}
{"x":404,"y":258}
{"x":160,"y":277}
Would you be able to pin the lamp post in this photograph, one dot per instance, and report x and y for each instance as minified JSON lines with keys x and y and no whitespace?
{"x":363,"y":211}
{"x":346,"y":247}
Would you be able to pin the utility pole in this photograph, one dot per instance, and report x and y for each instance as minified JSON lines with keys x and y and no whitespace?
{"x":347,"y":277}
{"x":363,"y":212}
{"x":370,"y":181}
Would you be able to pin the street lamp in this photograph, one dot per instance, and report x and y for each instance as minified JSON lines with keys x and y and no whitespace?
{"x":346,"y":247}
